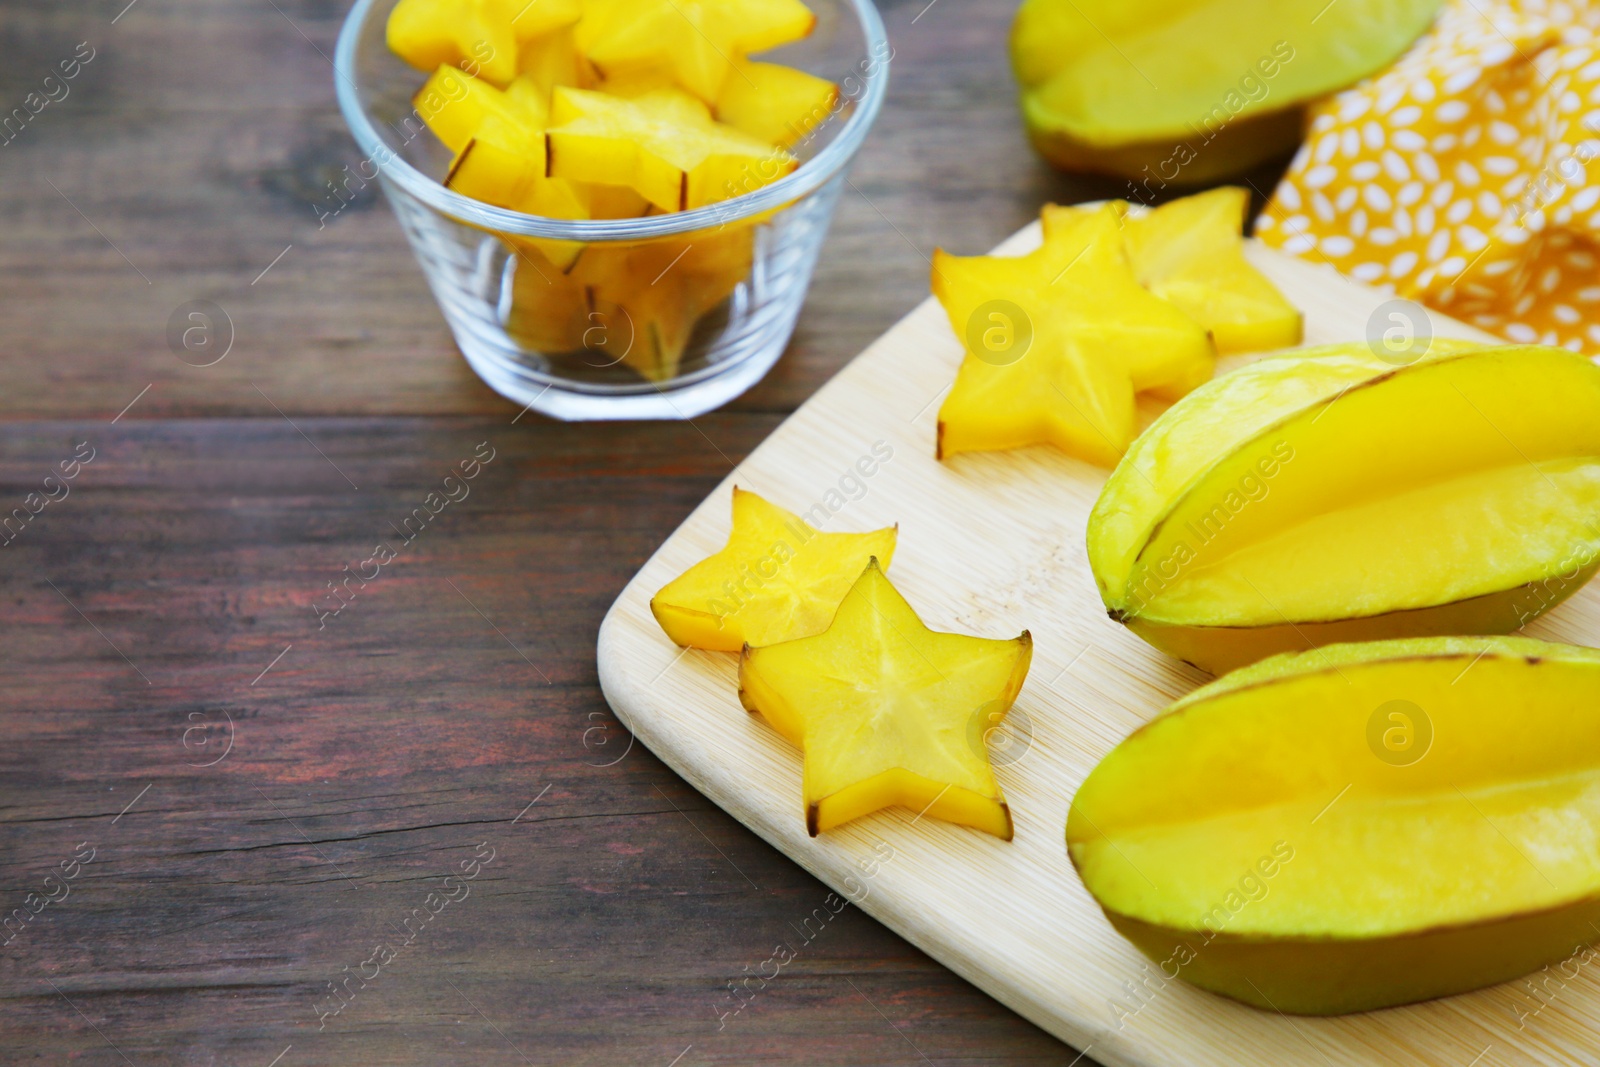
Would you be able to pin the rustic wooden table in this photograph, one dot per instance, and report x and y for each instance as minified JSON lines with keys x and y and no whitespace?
{"x":225,"y":822}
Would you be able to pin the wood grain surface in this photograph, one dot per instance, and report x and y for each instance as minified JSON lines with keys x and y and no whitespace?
{"x":991,"y":544}
{"x":269,"y":799}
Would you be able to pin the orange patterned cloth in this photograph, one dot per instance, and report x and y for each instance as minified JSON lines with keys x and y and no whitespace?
{"x":1459,"y":176}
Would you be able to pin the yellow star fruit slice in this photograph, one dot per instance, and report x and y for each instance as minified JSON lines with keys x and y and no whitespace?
{"x":695,"y":41}
{"x":664,"y":144}
{"x":616,"y":202}
{"x":889,"y":712}
{"x":633,"y":304}
{"x":646,"y":298}
{"x":769,"y":101}
{"x":483,"y":36}
{"x":502,"y":160}
{"x":1191,"y":252}
{"x":777,"y":579}
{"x":454,"y":104}
{"x":775,"y":103}
{"x":503,"y":165}
{"x":549,"y":308}
{"x":553,"y":60}
{"x":1058,"y":342}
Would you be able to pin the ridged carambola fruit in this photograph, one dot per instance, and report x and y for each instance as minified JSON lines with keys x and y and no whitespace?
{"x":1326,"y":495}
{"x":1358,"y":826}
{"x":1186,"y":92}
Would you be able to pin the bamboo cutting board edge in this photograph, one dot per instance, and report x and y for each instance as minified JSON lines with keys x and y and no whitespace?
{"x":990,"y":544}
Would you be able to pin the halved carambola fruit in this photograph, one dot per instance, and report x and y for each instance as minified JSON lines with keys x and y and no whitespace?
{"x":1358,"y":826}
{"x":1190,"y":252}
{"x":663,"y":143}
{"x":1327,"y":495}
{"x":1183,"y":91}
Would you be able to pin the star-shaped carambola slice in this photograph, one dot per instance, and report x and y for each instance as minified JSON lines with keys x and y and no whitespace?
{"x":1191,"y":252}
{"x":778,"y":578}
{"x":645,"y":299}
{"x":455,"y":105}
{"x":773,"y":103}
{"x":553,"y":60}
{"x":662,"y":143}
{"x":695,"y":41}
{"x":1058,"y":342}
{"x":483,"y":36}
{"x":497,"y":167}
{"x":889,"y":712}
{"x":498,"y":137}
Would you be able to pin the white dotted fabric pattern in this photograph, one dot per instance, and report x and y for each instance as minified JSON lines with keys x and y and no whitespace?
{"x":1459,"y":177}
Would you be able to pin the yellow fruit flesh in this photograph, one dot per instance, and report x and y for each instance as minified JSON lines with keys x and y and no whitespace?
{"x":454,"y":104}
{"x":695,"y":43}
{"x":777,"y":579}
{"x":548,"y":312}
{"x":1191,"y":252}
{"x":551,"y":61}
{"x":774,"y":103}
{"x":662,"y":144}
{"x":645,"y":299}
{"x":1097,"y":336}
{"x":885,"y":710}
{"x":482,"y":36}
{"x":1212,"y":422}
{"x":616,"y":202}
{"x":472,"y":34}
{"x":503,"y":165}
{"x":1100,"y":76}
{"x":1453,"y":495}
{"x":1466,"y":860}
{"x":500,"y":165}
{"x":634,"y":304}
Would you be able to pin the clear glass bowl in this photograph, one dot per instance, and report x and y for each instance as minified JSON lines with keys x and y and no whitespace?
{"x":531,"y":318}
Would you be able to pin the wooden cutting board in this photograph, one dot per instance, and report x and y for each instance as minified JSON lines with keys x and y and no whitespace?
{"x":991,"y":544}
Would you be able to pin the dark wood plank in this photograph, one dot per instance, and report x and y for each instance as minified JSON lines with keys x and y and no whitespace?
{"x":376,"y":754}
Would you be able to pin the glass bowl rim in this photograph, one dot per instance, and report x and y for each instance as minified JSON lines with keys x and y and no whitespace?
{"x":804,"y":180}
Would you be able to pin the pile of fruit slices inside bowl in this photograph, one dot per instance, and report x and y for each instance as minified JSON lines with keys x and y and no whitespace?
{"x":614,"y":109}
